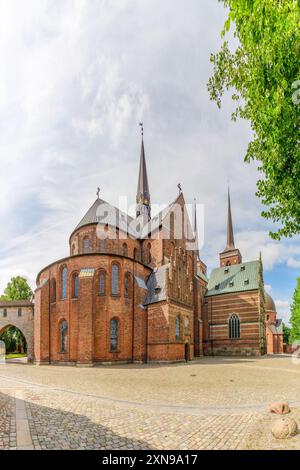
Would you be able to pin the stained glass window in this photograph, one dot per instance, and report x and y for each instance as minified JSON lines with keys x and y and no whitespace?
{"x":102,"y":284}
{"x":114,"y":333}
{"x":64,"y":281}
{"x":234,"y":326}
{"x":115,"y":279}
{"x":63,"y":336}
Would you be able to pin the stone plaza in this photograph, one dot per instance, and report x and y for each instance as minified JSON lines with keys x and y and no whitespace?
{"x":211,"y":403}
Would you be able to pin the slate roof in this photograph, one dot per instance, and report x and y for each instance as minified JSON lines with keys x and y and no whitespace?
{"x":202,"y":275}
{"x":237,"y":278}
{"x":157,"y":285}
{"x":113,"y":216}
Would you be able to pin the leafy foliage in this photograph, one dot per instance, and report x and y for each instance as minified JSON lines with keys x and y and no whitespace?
{"x":17,"y":289}
{"x":295,"y":314}
{"x":286,"y":334}
{"x":14,"y":340}
{"x":263,"y":72}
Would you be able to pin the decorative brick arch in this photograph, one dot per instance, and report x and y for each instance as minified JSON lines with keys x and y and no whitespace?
{"x":24,"y":322}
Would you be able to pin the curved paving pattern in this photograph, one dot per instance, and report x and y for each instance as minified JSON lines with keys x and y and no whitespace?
{"x":67,"y":408}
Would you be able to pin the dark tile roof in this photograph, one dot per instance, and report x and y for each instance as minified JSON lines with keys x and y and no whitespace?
{"x":157,"y":285}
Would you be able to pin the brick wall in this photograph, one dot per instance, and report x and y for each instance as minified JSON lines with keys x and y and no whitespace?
{"x":216,"y":334}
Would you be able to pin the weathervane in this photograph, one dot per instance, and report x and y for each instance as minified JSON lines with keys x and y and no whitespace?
{"x":142,"y":128}
{"x":179,"y":187}
{"x":98,"y":192}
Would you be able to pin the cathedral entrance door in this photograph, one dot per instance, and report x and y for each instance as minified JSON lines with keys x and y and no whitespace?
{"x":187,"y":352}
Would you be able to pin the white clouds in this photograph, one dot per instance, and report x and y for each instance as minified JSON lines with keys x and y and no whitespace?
{"x":293,"y":263}
{"x":76,"y":78}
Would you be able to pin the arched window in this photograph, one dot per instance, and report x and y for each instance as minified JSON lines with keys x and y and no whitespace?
{"x":64,"y":282}
{"x":53,"y":290}
{"x":63,"y":336}
{"x":177,"y":327}
{"x":86,"y":245}
{"x":127,"y":285}
{"x":102,"y":283}
{"x":115,"y":279}
{"x":149,"y":256}
{"x":124,"y":249}
{"x":114,"y":334}
{"x":228,"y":263}
{"x":73,"y":249}
{"x":102,"y":246}
{"x":234,"y":326}
{"x":75,"y":286}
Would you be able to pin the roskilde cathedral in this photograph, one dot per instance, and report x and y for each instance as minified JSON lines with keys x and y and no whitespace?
{"x":142,"y":296}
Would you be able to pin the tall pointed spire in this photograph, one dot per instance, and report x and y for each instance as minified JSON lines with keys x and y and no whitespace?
{"x":230,"y":238}
{"x":231,"y":254}
{"x":143,"y":194}
{"x":196,"y":228}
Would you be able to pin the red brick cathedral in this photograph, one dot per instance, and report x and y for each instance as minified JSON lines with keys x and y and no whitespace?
{"x":133,"y":290}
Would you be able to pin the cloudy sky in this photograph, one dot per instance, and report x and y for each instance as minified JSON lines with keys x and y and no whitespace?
{"x":76,"y":78}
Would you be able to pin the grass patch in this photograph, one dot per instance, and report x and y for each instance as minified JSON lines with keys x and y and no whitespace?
{"x":15,"y":356}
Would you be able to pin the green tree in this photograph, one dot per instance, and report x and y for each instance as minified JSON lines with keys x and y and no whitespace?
{"x":286,"y":334}
{"x":295,"y":314}
{"x":263,"y":72}
{"x":17,"y":289}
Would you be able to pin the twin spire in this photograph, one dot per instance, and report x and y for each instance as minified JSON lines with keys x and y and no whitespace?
{"x":231,"y":254}
{"x":143,"y":208}
{"x":230,"y":239}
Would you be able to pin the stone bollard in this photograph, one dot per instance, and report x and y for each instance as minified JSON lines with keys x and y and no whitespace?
{"x":280,"y":408}
{"x":284,"y":427}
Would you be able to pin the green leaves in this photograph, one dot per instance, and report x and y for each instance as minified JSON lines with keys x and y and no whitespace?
{"x":262,"y":72}
{"x":295,"y":314}
{"x":17,"y":289}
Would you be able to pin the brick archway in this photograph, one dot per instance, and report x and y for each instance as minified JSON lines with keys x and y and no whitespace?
{"x":24,"y":323}
{"x":28,"y":338}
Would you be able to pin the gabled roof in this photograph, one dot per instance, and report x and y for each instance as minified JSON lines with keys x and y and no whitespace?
{"x":236,"y":278}
{"x":157,"y":285}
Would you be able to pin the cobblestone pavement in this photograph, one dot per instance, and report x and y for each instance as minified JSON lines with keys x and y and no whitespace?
{"x":208,"y":404}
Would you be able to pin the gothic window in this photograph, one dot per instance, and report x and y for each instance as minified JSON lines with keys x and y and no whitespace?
{"x":64,"y":280}
{"x":102,"y":246}
{"x":63,"y":336}
{"x":234,"y":326}
{"x":115,"y":280}
{"x":5,"y":312}
{"x":19,"y":312}
{"x":102,"y":283}
{"x":124,"y":249}
{"x":177,"y":327}
{"x":75,"y":286}
{"x":53,"y":290}
{"x":86,"y":244}
{"x":127,"y":285}
{"x":114,"y":334}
